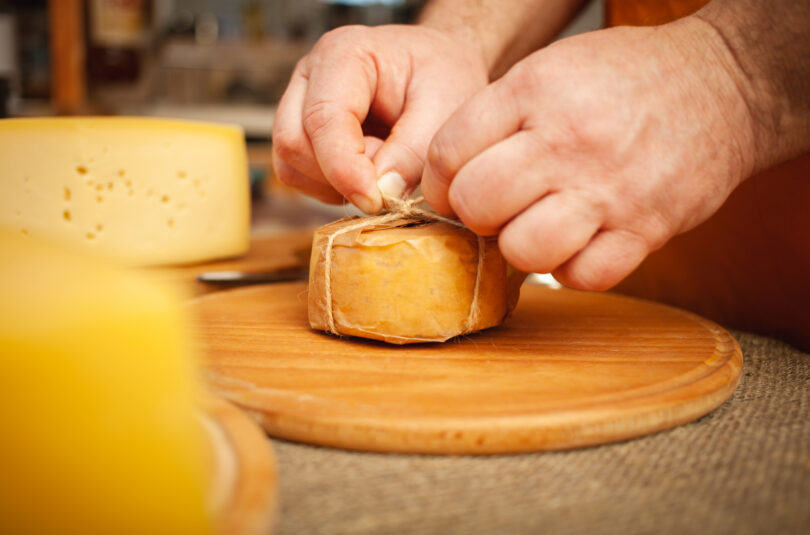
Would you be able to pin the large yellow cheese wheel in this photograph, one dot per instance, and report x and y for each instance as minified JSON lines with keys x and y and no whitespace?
{"x":99,"y":430}
{"x":145,"y":191}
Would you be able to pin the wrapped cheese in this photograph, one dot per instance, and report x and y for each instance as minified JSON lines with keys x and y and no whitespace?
{"x":407,"y":279}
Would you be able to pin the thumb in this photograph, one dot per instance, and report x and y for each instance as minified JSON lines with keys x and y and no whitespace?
{"x":400,"y":160}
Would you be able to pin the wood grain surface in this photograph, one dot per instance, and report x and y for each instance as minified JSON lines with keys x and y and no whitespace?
{"x":568,"y":369}
{"x":244,"y":483}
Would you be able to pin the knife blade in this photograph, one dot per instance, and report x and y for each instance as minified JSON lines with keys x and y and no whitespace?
{"x":259,"y":277}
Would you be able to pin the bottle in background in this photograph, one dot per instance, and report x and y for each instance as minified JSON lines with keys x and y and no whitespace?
{"x":8,"y":62}
{"x":118,"y":35}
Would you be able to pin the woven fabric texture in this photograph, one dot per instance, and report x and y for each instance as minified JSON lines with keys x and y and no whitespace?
{"x":745,"y":468}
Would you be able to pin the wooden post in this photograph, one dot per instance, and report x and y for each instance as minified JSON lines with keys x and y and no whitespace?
{"x":68,"y":88}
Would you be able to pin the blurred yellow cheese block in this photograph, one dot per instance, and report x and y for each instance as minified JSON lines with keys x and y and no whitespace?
{"x":99,"y":429}
{"x":404,"y":284}
{"x":145,"y":191}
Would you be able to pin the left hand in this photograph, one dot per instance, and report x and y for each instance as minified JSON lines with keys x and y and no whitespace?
{"x":596,"y":150}
{"x":362,"y":106}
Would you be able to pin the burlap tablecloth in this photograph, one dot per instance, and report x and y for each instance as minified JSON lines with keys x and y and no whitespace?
{"x":744,"y":468}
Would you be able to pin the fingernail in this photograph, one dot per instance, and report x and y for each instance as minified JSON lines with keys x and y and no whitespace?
{"x":391,"y":184}
{"x":364,"y":203}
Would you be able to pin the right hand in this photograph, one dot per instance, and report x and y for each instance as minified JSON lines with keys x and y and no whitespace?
{"x":406,"y":80}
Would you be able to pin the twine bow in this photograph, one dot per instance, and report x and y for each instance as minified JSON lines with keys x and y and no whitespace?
{"x":405,"y":212}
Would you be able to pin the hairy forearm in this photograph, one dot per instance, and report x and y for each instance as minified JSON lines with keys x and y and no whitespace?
{"x":769,"y":44}
{"x":502,"y":32}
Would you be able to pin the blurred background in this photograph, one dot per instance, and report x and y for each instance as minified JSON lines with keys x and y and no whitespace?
{"x":214,"y":60}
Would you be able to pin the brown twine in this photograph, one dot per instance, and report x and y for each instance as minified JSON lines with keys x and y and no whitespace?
{"x":405,"y":211}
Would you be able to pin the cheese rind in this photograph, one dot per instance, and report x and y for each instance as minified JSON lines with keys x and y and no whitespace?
{"x":144,"y":191}
{"x":408,"y":284}
{"x":96,"y":399}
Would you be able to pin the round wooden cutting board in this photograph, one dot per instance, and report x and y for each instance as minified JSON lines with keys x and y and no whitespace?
{"x":568,"y":369}
{"x":242,"y":492}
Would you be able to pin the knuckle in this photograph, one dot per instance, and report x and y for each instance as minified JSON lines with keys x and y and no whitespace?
{"x":591,"y":199}
{"x":317,"y":118}
{"x":342,"y":36}
{"x":521,"y":79}
{"x":579,"y":133}
{"x":464,"y":206}
{"x":647,"y":226}
{"x":328,"y":39}
{"x":343,"y":32}
{"x":522,"y":82}
{"x":287,"y":177}
{"x":607,"y":265}
{"x":637,"y":209}
{"x":302,"y":66}
{"x":656,"y":232}
{"x":515,"y":252}
{"x":286,"y":174}
{"x":443,"y":158}
{"x":474,"y":211}
{"x":582,"y":276}
{"x":287,"y":145}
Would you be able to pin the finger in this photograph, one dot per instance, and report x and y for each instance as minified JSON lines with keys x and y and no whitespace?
{"x":549,"y":232}
{"x":487,"y":118}
{"x":499,"y":183}
{"x":290,"y":141}
{"x":604,"y":262}
{"x":336,"y":104}
{"x":401,"y":159}
{"x":373,"y":144}
{"x":295,"y":179}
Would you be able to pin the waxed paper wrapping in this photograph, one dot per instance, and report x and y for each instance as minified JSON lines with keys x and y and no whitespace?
{"x":405,"y":282}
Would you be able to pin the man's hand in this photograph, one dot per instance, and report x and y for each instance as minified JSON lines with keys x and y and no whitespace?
{"x":364,"y":104}
{"x":593,"y":152}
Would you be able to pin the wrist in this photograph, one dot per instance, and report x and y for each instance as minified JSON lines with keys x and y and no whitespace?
{"x":466,"y":36}
{"x":720,"y":89}
{"x":766,"y":55}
